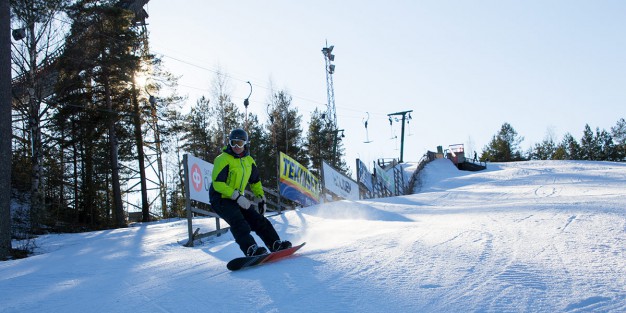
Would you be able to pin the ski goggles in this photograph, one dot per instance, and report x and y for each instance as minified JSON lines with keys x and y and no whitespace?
{"x":237,"y":143}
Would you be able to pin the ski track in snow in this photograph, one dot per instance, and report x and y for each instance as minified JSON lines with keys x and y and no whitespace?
{"x":519,"y":237}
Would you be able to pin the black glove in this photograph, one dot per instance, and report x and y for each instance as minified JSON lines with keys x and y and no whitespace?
{"x":261,"y":204}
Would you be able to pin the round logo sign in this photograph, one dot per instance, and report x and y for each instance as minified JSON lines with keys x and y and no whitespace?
{"x":196,"y":177}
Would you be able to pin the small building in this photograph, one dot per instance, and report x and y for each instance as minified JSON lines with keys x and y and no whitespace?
{"x":456,"y":153}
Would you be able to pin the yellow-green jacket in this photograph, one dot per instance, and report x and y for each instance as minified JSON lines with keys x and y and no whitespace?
{"x":234,"y":172}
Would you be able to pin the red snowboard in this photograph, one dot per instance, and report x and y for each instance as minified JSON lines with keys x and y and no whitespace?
{"x":249,"y":261}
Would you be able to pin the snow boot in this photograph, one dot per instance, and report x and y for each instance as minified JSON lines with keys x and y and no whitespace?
{"x":255,"y":250}
{"x":281,"y":245}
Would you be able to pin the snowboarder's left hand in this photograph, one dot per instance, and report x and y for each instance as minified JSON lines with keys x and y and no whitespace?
{"x":242,"y":201}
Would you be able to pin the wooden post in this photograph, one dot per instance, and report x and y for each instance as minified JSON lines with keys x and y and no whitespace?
{"x":278,"y":179}
{"x":188,"y":202}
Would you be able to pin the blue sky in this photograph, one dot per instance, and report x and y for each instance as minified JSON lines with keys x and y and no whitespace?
{"x":463,"y":67}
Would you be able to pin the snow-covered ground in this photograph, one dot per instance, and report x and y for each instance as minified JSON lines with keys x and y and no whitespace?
{"x":545,"y":236}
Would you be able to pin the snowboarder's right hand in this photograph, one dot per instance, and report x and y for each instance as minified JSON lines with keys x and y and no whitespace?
{"x":241,"y":200}
{"x":261,"y":207}
{"x":261,"y":204}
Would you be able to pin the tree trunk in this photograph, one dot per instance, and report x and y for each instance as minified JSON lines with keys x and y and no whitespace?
{"x":145,"y":208}
{"x":88,"y":205}
{"x":5,"y":130}
{"x":118,"y":208}
{"x":34,"y":121}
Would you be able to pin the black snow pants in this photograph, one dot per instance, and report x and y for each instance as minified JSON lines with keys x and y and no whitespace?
{"x":243,"y":221}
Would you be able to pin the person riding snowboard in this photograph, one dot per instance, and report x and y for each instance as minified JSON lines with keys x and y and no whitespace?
{"x":233,"y":170}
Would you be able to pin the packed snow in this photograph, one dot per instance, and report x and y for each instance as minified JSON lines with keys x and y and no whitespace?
{"x":539,"y":236}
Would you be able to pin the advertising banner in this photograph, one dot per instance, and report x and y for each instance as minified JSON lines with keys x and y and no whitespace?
{"x":200,"y":173}
{"x":385,"y":178}
{"x":364,"y":176}
{"x":297,"y":183}
{"x":339,"y":184}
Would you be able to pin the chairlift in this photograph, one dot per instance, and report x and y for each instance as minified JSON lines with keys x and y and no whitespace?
{"x":395,"y":140}
{"x":246,"y":102}
{"x":408,"y":124}
{"x":367,"y":138}
{"x":393,"y":136}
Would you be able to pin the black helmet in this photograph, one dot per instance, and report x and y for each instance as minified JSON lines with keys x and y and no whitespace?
{"x":238,"y":134}
{"x":238,"y":138}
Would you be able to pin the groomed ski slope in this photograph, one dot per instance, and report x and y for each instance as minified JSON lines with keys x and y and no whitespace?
{"x":541,"y":236}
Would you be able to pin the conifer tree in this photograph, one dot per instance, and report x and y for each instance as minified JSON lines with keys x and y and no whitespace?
{"x":196,"y":136}
{"x":325,"y":143}
{"x":568,"y":149}
{"x":284,"y":128}
{"x":588,"y":145}
{"x":504,"y":146}
{"x":544,"y":150}
{"x":319,"y":148}
{"x":618,"y":133}
{"x":93,"y":90}
{"x":607,"y":150}
{"x":260,"y":149}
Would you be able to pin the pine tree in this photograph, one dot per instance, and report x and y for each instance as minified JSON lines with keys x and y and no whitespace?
{"x":559,"y":153}
{"x":196,"y":136}
{"x":544,"y":150}
{"x":607,"y":149}
{"x":619,"y":137}
{"x":319,"y":148}
{"x":567,"y":149}
{"x":504,"y":146}
{"x":588,"y":145}
{"x":324,"y":143}
{"x":285,"y":130}
{"x":260,"y":149}
{"x":93,"y":92}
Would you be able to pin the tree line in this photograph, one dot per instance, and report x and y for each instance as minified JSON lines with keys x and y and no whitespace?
{"x":601,"y":145}
{"x":94,"y":111}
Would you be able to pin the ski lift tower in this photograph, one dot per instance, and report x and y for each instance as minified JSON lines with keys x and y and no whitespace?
{"x":329,"y":58}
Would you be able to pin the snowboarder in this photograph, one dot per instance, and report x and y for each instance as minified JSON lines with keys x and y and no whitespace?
{"x":233,"y":170}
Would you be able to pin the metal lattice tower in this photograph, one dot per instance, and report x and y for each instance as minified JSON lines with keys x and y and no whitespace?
{"x":154,"y":155}
{"x":331,"y":113}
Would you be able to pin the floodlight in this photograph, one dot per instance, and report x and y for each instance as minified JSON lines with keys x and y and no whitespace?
{"x":19,"y":34}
